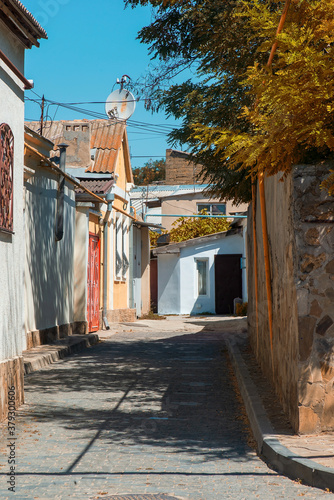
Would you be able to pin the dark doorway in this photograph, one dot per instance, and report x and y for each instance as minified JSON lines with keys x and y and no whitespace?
{"x":228,"y":282}
{"x":154,"y":284}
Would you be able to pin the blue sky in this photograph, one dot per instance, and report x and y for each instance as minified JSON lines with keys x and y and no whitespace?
{"x":90,"y":45}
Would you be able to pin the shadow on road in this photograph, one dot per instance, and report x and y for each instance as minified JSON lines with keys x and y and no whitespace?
{"x":173,"y":393}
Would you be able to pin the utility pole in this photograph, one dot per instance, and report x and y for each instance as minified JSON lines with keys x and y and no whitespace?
{"x":42,"y":115}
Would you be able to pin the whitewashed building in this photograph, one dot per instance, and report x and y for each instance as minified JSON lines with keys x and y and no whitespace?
{"x":18,"y":31}
{"x":203,"y":275}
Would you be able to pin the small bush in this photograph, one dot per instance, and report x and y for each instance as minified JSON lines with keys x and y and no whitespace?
{"x":241,"y":309}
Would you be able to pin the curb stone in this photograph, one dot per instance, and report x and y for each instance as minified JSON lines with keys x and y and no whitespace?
{"x":269,"y":447}
{"x":38,"y":358}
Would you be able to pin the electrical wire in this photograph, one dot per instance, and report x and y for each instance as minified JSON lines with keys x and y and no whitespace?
{"x":161,"y":129}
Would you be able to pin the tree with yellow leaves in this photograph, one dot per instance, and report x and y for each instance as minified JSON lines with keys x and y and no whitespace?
{"x":292,"y":117}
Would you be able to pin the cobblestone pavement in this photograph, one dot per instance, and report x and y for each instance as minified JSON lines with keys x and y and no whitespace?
{"x":139,"y":414}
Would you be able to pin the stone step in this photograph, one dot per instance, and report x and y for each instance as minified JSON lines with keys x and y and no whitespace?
{"x":37,"y":358}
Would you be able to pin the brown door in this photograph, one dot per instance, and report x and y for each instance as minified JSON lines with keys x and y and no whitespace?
{"x":93,"y":285}
{"x":154,"y":284}
{"x":228,"y":282}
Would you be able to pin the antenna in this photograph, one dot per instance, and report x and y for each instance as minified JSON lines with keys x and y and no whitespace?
{"x":120,"y":104}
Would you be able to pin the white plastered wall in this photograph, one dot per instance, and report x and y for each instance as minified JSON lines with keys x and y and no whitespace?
{"x":191,"y":303}
{"x":12,"y":245}
{"x":49,"y":276}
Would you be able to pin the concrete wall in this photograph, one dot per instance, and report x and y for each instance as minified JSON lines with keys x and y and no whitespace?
{"x":49,"y":268}
{"x":12,"y":245}
{"x":301,"y":236}
{"x":186,"y":204}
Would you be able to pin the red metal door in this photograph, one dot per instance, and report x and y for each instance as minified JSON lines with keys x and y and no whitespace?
{"x":93,"y":285}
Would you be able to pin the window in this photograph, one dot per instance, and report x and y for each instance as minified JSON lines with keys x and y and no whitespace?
{"x":125,"y":262}
{"x":202,"y":281}
{"x":121,"y":249}
{"x":118,"y":247}
{"x":212,"y":208}
{"x":6,"y":177}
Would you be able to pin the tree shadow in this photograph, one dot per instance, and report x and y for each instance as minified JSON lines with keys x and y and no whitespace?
{"x":49,"y":263}
{"x":174,"y":394}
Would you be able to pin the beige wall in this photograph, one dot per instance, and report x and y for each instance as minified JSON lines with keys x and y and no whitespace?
{"x":187,"y":204}
{"x":145,"y":278}
{"x":80,"y":263}
{"x":301,"y":237}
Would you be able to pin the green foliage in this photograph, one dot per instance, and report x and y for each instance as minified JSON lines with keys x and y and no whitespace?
{"x":292,"y":118}
{"x":241,"y":309}
{"x":187,"y":228}
{"x":154,"y":235}
{"x":202,"y":35}
{"x":152,"y":171}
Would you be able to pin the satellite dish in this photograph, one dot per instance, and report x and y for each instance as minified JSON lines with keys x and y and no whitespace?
{"x":120,"y":105}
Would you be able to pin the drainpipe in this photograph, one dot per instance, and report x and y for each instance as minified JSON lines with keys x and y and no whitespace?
{"x":109,"y":198}
{"x":60,"y":194}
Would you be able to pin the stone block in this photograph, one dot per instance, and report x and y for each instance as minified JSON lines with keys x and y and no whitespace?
{"x":309,"y":421}
{"x":310,"y":372}
{"x":80,"y":328}
{"x":65,"y":330}
{"x":312,"y":236}
{"x":330,"y":267}
{"x":327,"y":372}
{"x":306,"y":327}
{"x":11,"y":374}
{"x":311,"y":394}
{"x":49,"y":335}
{"x":323,"y":325}
{"x":329,"y":292}
{"x":315,"y":309}
{"x":327,"y":420}
{"x":312,"y":262}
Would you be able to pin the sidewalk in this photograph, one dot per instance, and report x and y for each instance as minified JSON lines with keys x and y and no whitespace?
{"x":309,"y":459}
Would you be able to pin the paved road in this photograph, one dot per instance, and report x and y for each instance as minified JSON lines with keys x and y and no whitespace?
{"x":139,"y":414}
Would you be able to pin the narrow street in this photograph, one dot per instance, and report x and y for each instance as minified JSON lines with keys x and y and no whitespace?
{"x":140,"y":414}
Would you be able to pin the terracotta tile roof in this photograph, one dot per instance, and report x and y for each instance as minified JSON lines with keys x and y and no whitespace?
{"x":40,"y":32}
{"x":105,"y":137}
{"x":97,"y":186}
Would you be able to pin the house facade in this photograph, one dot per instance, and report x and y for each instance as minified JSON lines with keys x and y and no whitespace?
{"x":164,"y":204}
{"x":18,"y":31}
{"x":203,"y":275}
{"x":106,"y":275}
{"x":49,"y":215}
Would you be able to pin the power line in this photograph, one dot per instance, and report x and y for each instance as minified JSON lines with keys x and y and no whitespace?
{"x":162,"y":129}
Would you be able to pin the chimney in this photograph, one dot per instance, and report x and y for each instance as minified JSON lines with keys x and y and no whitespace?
{"x":77,"y":135}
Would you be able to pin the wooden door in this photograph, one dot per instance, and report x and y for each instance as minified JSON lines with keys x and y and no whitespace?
{"x":93,"y":285}
{"x":154,"y":284}
{"x":228,"y":282}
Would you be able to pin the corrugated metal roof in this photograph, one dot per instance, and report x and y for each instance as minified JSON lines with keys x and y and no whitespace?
{"x":106,"y":138}
{"x":95,"y":185}
{"x":159,"y":191}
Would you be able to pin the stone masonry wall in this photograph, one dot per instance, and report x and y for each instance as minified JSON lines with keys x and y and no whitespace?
{"x":313,"y":213}
{"x":301,"y":238}
{"x":179,"y":168}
